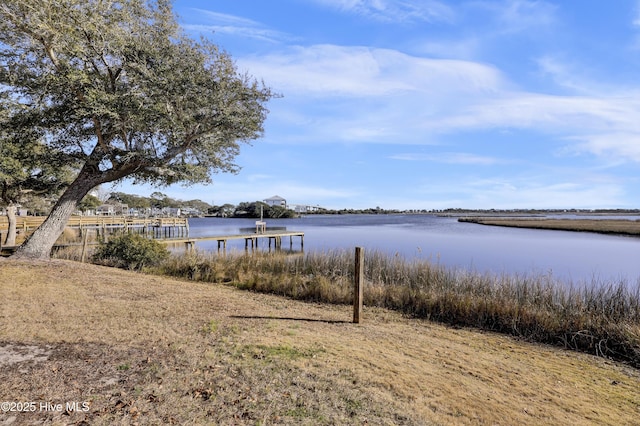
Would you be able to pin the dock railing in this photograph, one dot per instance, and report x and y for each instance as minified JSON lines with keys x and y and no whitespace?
{"x":155,"y":227}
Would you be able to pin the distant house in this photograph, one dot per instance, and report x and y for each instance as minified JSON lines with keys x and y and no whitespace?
{"x":303,"y":208}
{"x":112,"y":210}
{"x":190,"y":211}
{"x":106,"y":210}
{"x":275,"y":201}
{"x":171,"y":211}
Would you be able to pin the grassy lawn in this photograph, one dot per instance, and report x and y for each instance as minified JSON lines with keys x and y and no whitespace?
{"x":153,"y":350}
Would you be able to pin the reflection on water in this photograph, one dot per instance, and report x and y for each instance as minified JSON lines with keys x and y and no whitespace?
{"x":574,"y":256}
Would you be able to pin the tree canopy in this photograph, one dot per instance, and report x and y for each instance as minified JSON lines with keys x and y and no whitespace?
{"x":115,"y":85}
{"x":28,"y":167}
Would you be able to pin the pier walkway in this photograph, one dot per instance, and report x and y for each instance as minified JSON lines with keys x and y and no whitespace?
{"x":250,"y":239}
{"x":162,"y":229}
{"x":156,"y":227}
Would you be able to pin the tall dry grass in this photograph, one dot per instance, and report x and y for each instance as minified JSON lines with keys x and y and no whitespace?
{"x":596,"y":317}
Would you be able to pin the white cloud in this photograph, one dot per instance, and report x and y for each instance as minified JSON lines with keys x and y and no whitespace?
{"x":513,"y":16}
{"x":294,"y":192}
{"x":560,"y":195}
{"x":256,"y":177}
{"x":226,"y":19}
{"x":599,"y":125}
{"x":251,"y":188}
{"x":523,"y":192}
{"x":456,"y":48}
{"x":575,"y":78}
{"x":563,"y":75}
{"x":461,"y":158}
{"x":221,"y":23}
{"x":636,"y":19}
{"x":330,"y":70}
{"x":622,"y":146}
{"x":342,"y":93}
{"x":395,"y":10}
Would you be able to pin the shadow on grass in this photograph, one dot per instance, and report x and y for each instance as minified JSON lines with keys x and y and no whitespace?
{"x":290,"y":319}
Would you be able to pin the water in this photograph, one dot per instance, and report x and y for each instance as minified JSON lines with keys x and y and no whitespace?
{"x":569,"y":256}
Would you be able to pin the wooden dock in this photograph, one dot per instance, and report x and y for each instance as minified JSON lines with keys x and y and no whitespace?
{"x":250,"y":239}
{"x":162,"y":229}
{"x":156,"y":227}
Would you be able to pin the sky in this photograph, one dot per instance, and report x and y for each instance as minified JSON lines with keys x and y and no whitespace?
{"x":433,"y":104}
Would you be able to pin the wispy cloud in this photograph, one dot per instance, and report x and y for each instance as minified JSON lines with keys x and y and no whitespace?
{"x":330,"y":70}
{"x":635,"y":22}
{"x":563,"y":75}
{"x":575,"y":78}
{"x":600,"y":125}
{"x":514,"y":16}
{"x":636,"y":18}
{"x":461,"y":158}
{"x":295,"y":192}
{"x":351,"y":93}
{"x":464,"y":48}
{"x":561,"y":194}
{"x":522,"y":192}
{"x":248,"y":188}
{"x":620,"y":147}
{"x":222,"y":23}
{"x":395,"y":10}
{"x":226,"y":19}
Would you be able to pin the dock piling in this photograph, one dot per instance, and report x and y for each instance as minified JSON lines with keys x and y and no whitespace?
{"x":358,"y":285}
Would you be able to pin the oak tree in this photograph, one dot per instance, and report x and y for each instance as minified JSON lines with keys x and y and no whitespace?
{"x":118,"y":87}
{"x":28,"y":168}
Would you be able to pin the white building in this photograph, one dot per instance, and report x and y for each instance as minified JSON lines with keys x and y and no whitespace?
{"x":276,"y":200}
{"x":112,"y":210}
{"x":303,"y":208}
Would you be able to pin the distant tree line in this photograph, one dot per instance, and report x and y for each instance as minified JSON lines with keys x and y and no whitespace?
{"x":158,"y":201}
{"x":258,"y":209}
{"x":40,"y":205}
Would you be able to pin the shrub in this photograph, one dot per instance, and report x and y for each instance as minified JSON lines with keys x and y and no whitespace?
{"x":131,"y":251}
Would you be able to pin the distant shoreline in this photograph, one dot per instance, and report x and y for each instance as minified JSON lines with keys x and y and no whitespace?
{"x":600,"y":226}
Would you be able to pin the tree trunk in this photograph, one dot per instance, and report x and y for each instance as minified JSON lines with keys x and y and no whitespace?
{"x":10,"y":240}
{"x":40,"y":243}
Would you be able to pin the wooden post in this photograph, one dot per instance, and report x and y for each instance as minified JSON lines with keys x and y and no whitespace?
{"x":84,"y":246}
{"x":358,"y":280}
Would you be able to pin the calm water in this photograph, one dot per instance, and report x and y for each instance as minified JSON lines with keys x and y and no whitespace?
{"x":571,"y":256}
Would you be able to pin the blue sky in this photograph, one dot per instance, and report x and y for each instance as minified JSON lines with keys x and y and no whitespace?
{"x":433,"y":104}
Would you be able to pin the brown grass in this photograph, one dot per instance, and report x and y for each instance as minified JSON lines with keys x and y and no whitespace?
{"x":152,"y":350}
{"x":602,"y":226}
{"x":598,"y":317}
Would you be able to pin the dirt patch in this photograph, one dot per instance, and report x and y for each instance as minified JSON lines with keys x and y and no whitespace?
{"x":19,"y":353}
{"x":70,"y":383}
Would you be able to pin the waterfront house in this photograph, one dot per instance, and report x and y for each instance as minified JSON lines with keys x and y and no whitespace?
{"x":276,"y":201}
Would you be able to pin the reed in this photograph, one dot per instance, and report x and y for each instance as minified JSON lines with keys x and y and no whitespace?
{"x":601,"y":226}
{"x":596,"y":317}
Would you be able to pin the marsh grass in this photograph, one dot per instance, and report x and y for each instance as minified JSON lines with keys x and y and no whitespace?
{"x":596,"y":317}
{"x":601,"y":226}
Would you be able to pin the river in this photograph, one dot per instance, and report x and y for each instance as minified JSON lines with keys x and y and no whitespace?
{"x":575,"y":257}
